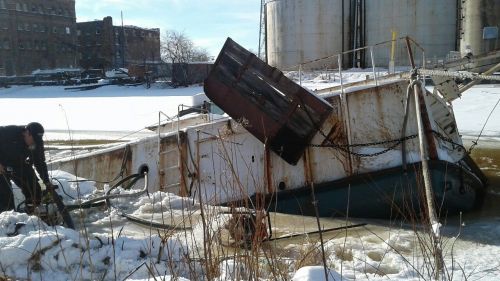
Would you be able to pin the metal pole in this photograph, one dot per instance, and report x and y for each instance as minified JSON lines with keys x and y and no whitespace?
{"x":373,"y":66}
{"x":300,"y":74}
{"x":410,"y":52}
{"x":429,"y":195}
{"x":345,"y":109}
{"x":355,"y":33}
{"x":339,"y":59}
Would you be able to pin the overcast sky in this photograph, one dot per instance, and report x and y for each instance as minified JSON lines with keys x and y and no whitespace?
{"x":206,"y":22}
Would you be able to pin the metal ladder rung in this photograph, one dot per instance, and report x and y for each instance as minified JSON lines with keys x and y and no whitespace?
{"x":168,"y":151}
{"x":172,"y":185}
{"x":172,"y":167}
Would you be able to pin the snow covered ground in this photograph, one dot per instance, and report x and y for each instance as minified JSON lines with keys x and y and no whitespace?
{"x":107,"y":247}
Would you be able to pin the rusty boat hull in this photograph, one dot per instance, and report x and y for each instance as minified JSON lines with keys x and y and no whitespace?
{"x":385,"y":194}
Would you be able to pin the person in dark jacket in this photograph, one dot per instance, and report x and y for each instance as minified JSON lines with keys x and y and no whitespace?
{"x":21,"y":148}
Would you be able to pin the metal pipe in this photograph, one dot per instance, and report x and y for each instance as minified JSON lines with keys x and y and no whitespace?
{"x":429,"y":195}
{"x":373,"y":66}
{"x":300,"y":74}
{"x":316,"y":232}
{"x":343,"y":27}
{"x":355,"y":32}
{"x":345,"y":109}
{"x":410,"y":52}
{"x":339,"y":61}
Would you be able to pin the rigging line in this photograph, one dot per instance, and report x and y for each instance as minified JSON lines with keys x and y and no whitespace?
{"x":474,"y":143}
{"x":130,"y":134}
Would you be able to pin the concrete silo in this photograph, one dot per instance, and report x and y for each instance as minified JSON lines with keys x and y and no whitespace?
{"x":298,"y":31}
{"x":432,"y":24}
{"x":480,"y":26}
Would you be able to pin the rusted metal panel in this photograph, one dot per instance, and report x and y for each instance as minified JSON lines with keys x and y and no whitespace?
{"x":229,"y":162}
{"x":376,"y":116}
{"x":273,"y":108}
{"x":332,"y":133}
{"x":100,"y":167}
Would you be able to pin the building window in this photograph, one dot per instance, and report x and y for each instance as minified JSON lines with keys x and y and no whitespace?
{"x":20,"y":26}
{"x":27,"y":27}
{"x":18,"y":7}
{"x":20,"y":45}
{"x":68,"y":30}
{"x":35,"y":27}
{"x":2,"y":4}
{"x":78,"y":32}
{"x":6,"y":44}
{"x":44,"y":46}
{"x":25,"y":7}
{"x":33,"y":9}
{"x":37,"y":45}
{"x":42,"y":28}
{"x":54,"y":29}
{"x":97,"y":31}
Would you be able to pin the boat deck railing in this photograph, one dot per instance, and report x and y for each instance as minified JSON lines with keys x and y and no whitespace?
{"x":376,"y":78}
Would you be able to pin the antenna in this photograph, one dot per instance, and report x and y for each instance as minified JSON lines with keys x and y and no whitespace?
{"x":262,"y":32}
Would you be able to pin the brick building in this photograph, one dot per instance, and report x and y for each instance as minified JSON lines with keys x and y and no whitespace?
{"x":37,"y":34}
{"x":103,"y":45}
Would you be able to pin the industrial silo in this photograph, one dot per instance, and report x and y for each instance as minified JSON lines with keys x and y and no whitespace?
{"x":299,"y":31}
{"x":480,"y":26}
{"x":432,"y":24}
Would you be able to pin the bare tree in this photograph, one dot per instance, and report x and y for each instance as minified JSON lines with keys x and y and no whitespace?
{"x":200,"y":54}
{"x":176,"y":47}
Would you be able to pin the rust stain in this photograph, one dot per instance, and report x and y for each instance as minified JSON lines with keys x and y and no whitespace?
{"x":268,"y":169}
{"x":308,"y":169}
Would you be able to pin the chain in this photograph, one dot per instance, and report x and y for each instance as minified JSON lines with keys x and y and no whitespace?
{"x":448,"y":140}
{"x":346,"y":147}
{"x":395,"y":143}
{"x":458,"y":74}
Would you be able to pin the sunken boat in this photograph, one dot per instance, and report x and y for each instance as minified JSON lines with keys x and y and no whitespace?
{"x":354,"y":150}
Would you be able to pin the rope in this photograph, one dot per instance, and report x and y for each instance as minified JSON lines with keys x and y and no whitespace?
{"x":474,"y":143}
{"x":458,"y":74}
